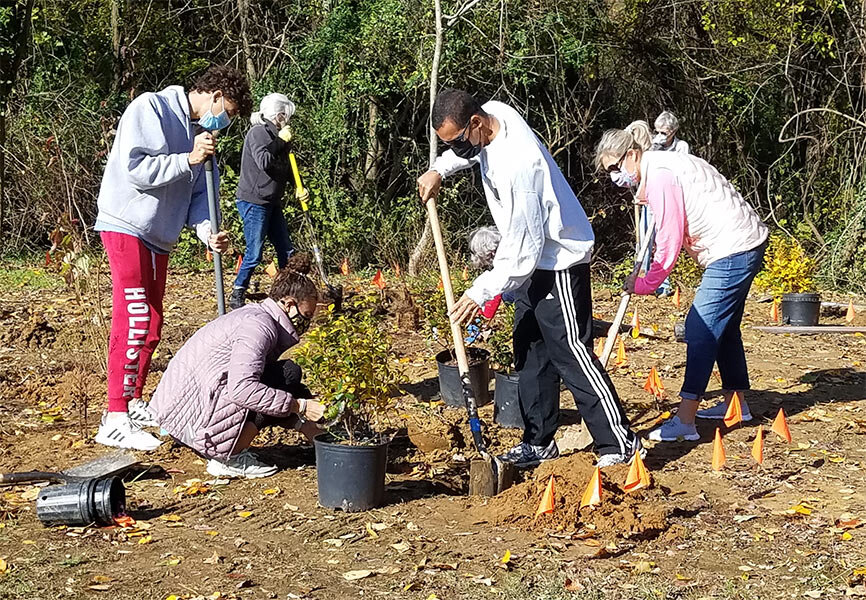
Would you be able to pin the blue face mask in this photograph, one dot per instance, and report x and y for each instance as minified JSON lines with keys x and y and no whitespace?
{"x":213,"y":122}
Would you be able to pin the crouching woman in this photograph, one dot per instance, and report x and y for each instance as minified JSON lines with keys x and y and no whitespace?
{"x":226,"y":383}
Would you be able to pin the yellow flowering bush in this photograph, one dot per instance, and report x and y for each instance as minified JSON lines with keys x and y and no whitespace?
{"x":348,"y":361}
{"x":787,"y":268}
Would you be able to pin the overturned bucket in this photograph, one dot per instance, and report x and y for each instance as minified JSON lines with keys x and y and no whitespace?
{"x":92,"y":501}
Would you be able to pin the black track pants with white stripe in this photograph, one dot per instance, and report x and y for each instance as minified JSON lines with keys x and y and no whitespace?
{"x":552,"y":334}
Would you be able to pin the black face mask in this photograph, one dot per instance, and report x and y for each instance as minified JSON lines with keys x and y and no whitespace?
{"x":300,"y":322}
{"x":465,"y":149}
{"x":462,"y":147}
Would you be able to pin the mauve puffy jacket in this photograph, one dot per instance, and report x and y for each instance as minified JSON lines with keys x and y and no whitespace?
{"x":203,"y":398}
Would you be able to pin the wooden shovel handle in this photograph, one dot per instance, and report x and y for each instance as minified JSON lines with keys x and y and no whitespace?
{"x":456,"y":333}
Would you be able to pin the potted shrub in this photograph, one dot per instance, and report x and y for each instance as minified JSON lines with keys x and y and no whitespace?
{"x":437,"y":330}
{"x":789,"y":274}
{"x":349,"y":364}
{"x":506,"y":399}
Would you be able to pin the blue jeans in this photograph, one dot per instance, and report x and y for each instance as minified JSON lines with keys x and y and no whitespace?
{"x":646,"y":215}
{"x":713,"y":324}
{"x":260,"y":221}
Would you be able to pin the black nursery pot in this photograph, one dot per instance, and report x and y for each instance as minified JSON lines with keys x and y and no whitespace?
{"x":93,"y":501}
{"x":351,"y":478}
{"x":450,"y":387}
{"x":801,"y":309}
{"x":506,"y":400}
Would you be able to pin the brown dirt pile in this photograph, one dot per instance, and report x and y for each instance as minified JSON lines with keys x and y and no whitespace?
{"x":640,"y":514}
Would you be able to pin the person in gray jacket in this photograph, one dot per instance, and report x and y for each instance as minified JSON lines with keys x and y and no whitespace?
{"x":265,"y":171}
{"x":153,"y":186}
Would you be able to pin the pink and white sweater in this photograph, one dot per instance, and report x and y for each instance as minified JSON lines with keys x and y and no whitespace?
{"x":695,"y":208}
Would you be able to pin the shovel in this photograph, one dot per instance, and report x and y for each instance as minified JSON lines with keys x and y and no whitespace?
{"x":98,"y":468}
{"x":214,"y":228}
{"x":626,"y":297}
{"x":489,"y":475}
{"x":303,"y":195}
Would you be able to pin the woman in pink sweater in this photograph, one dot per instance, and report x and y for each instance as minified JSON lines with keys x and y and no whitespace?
{"x":695,"y":208}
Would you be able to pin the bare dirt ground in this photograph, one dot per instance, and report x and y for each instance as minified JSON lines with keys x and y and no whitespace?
{"x":791,"y":528}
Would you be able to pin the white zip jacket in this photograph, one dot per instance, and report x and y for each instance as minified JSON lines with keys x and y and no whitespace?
{"x":542,"y":223}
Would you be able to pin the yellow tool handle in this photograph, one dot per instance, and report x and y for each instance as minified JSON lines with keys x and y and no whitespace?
{"x":300,"y":193}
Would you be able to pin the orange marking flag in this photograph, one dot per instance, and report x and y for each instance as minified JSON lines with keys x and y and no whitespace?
{"x":592,"y":495}
{"x":758,"y":446}
{"x":379,"y":280}
{"x":734,"y":414}
{"x":638,"y":477}
{"x":719,"y":457}
{"x":548,"y":500}
{"x":344,"y":267}
{"x":849,"y":316}
{"x":780,"y":426}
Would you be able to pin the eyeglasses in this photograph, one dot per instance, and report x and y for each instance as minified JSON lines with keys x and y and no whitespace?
{"x":664,"y":133}
{"x":615,"y":167}
{"x":461,"y":137}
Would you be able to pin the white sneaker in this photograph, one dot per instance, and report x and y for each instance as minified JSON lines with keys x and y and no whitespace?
{"x":243,"y":464}
{"x":674,"y":430}
{"x":718,"y":411}
{"x":608,"y":460}
{"x":118,"y":430}
{"x":139,"y":413}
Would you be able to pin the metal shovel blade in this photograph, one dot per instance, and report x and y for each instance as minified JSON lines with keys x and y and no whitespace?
{"x":106,"y":465}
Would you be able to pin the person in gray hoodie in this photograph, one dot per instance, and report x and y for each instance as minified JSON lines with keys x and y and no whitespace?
{"x":153,"y":186}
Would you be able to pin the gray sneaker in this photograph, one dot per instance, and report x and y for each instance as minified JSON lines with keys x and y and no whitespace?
{"x":718,"y":411}
{"x":674,"y":430}
{"x":527,"y":455}
{"x":615,"y":458}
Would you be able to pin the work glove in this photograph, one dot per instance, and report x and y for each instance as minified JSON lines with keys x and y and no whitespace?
{"x":285,"y":134}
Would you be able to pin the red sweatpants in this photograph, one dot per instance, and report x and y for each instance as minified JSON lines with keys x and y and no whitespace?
{"x":137,"y":290}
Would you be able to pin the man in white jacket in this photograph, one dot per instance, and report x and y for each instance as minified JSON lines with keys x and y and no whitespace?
{"x":543,"y":259}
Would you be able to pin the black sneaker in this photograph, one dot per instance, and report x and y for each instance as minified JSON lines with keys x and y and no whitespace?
{"x":527,"y":455}
{"x":238,"y":298}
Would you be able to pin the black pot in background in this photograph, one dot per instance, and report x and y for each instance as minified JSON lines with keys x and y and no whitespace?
{"x":506,"y":400}
{"x":801,"y":309}
{"x":351,"y":478}
{"x":450,"y":387}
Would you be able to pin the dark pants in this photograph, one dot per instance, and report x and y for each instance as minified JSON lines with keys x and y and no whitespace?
{"x":261,"y":221}
{"x":281,"y":375}
{"x":552,"y":334}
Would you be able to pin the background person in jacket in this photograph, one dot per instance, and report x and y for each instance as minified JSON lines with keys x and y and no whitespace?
{"x":153,"y":186}
{"x":697,"y":209}
{"x":667,"y":125}
{"x":543,"y":257}
{"x":265,"y":171}
{"x":225,"y":383}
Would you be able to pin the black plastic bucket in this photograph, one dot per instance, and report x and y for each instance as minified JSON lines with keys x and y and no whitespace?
{"x":506,"y":400}
{"x":801,"y":309}
{"x":351,"y":478}
{"x":94,"y":501}
{"x":450,"y":387}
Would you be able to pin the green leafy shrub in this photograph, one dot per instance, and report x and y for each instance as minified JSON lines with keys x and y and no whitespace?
{"x":787,"y":268}
{"x":348,"y":360}
{"x":500,"y":342}
{"x":434,"y":310}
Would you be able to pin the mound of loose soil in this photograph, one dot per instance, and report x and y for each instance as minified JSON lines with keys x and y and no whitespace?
{"x":640,"y":514}
{"x":35,"y":333}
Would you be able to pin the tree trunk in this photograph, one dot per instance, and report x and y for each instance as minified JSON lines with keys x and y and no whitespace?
{"x":244,"y":12}
{"x":374,"y":145}
{"x":115,"y":44}
{"x":424,"y":241}
{"x":13,"y":37}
